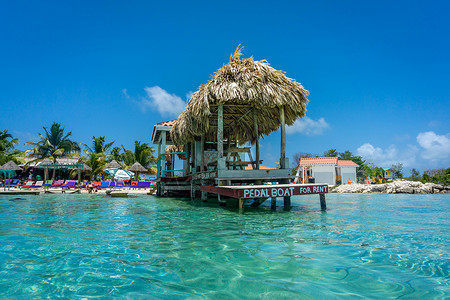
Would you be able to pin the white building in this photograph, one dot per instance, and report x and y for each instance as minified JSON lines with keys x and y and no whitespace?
{"x":328,"y":170}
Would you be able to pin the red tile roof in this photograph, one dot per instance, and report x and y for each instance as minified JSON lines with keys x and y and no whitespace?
{"x":347,"y":163}
{"x":249,"y":167}
{"x":318,"y":161}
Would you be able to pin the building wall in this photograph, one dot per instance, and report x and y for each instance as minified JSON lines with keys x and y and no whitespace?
{"x":324,"y":174}
{"x":348,"y":173}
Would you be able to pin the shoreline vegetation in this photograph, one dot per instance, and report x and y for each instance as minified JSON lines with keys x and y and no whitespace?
{"x":399,"y":186}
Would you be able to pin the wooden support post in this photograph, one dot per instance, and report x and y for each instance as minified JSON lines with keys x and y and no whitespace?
{"x":163,"y":148}
{"x":220,"y":131}
{"x":273,"y":203}
{"x":287,"y":202}
{"x":323,"y":203}
{"x":283,"y":139}
{"x":192,"y":162}
{"x":255,"y":123}
{"x":241,"y":203}
{"x":202,"y":150}
{"x":204,"y":195}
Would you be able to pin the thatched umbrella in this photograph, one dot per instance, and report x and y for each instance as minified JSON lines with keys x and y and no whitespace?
{"x":112,"y":165}
{"x":8,"y":168}
{"x":137,"y":168}
{"x":255,"y":99}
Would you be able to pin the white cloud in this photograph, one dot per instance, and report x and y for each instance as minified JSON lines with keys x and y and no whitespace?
{"x":125,"y":93}
{"x":159,"y":99}
{"x":389,"y":156}
{"x":436,"y":148}
{"x":307,"y":126}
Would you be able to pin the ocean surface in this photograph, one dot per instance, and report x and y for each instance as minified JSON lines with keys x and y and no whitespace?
{"x":364,"y":246}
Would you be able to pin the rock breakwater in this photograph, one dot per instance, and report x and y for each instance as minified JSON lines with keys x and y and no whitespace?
{"x":395,"y":187}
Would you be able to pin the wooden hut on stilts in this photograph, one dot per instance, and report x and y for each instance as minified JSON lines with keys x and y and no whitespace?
{"x":243,"y":101}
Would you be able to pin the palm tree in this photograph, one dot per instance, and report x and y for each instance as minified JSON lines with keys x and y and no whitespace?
{"x":97,"y":163}
{"x":143,"y":154}
{"x":7,"y":144}
{"x":99,"y":145}
{"x":53,"y":145}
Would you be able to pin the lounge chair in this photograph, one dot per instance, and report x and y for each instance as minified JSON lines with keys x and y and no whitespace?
{"x":104,"y":185}
{"x":120,"y":184}
{"x":14,"y":182}
{"x":48,"y":182}
{"x":142,"y":185}
{"x":27,"y":184}
{"x":38,"y":184}
{"x":7,"y":182}
{"x":57,"y":183}
{"x":69,"y":184}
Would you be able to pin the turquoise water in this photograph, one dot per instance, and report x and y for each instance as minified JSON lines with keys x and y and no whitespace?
{"x":83,"y":246}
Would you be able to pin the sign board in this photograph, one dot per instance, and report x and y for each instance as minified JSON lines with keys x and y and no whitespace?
{"x":267,"y":191}
{"x":204,"y":175}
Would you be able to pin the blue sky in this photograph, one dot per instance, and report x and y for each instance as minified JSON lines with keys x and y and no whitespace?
{"x":378,"y":72}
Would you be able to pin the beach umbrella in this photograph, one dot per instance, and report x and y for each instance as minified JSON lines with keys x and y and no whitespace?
{"x":9,"y":169}
{"x":119,"y":174}
{"x":137,"y":168}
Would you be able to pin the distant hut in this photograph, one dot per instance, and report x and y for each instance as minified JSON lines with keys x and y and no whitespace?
{"x":9,"y":170}
{"x":137,"y":168}
{"x":113,"y":165}
{"x":244,"y":100}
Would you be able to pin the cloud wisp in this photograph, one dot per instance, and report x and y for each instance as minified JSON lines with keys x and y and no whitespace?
{"x":432,"y":151}
{"x":307,"y":126}
{"x":435,"y":147}
{"x":160,"y":100}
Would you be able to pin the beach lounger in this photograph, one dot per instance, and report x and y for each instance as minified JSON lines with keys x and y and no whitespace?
{"x":27,"y":184}
{"x":104,"y":185}
{"x":48,"y":182}
{"x":142,"y":185}
{"x":38,"y":184}
{"x":57,"y":183}
{"x":14,"y":182}
{"x":7,"y":182}
{"x":69,"y":184}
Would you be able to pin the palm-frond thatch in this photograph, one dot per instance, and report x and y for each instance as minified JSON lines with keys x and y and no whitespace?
{"x":137,"y":167}
{"x":175,"y":148}
{"x":112,"y":165}
{"x":11,"y":166}
{"x":245,"y":88}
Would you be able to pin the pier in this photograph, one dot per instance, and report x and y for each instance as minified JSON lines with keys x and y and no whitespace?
{"x":216,"y":138}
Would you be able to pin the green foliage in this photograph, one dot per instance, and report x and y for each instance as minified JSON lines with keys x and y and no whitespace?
{"x":438,"y":176}
{"x":331,"y":153}
{"x":7,"y":151}
{"x":54,"y":144}
{"x":397,"y":170}
{"x":96,"y":162}
{"x":99,"y":145}
{"x":415,"y":175}
{"x":143,"y":154}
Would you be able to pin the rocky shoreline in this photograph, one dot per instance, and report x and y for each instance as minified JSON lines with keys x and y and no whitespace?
{"x":395,"y":187}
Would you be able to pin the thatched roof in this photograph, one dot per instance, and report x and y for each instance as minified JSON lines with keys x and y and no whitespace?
{"x":112,"y":165}
{"x":244,"y":87}
{"x":137,"y":167}
{"x":10,"y":165}
{"x":86,"y":167}
{"x":175,"y":148}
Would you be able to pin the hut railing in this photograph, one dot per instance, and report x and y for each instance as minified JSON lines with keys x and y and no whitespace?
{"x":161,"y":172}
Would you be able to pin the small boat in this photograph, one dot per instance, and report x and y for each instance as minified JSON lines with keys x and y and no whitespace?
{"x":63,"y":191}
{"x":118,"y":194}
